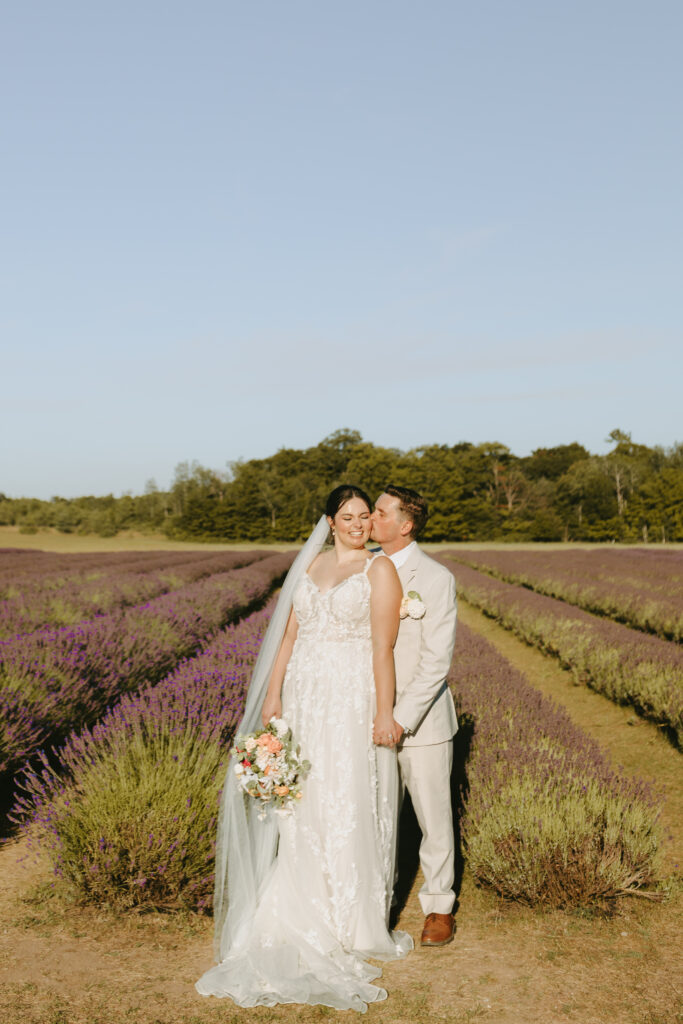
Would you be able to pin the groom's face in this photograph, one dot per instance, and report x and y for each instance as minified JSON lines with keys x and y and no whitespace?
{"x":388,"y":522}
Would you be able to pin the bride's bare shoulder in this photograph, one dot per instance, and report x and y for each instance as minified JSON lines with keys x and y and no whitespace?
{"x":381,"y":567}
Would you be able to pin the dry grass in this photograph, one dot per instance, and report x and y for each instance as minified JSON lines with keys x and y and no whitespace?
{"x":132,"y":540}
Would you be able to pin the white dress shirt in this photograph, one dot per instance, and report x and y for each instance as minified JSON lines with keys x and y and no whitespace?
{"x":400,"y":558}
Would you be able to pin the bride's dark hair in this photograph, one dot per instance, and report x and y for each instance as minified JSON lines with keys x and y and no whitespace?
{"x":342,"y":494}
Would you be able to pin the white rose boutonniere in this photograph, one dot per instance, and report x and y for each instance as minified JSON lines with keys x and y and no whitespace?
{"x":412,"y":606}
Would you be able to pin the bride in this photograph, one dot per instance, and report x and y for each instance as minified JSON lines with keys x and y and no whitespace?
{"x":301,"y":900}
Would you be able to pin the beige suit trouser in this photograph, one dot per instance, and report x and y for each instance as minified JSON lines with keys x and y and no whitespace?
{"x":425,"y":771}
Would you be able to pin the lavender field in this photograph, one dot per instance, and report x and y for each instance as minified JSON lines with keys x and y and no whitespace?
{"x":115,"y":729}
{"x":640,"y":587}
{"x":160,"y":756}
{"x":45,"y":589}
{"x":626,"y":665}
{"x":53,"y":680}
{"x":546,"y":820}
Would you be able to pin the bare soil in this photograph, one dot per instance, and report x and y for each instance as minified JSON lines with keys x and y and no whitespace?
{"x":65,"y":964}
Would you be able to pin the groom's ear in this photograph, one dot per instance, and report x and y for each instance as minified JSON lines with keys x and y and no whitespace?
{"x":407,"y":527}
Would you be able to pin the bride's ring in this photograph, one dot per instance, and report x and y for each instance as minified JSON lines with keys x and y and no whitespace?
{"x":390,"y":736}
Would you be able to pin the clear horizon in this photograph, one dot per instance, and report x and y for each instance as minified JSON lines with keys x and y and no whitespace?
{"x":230,"y":230}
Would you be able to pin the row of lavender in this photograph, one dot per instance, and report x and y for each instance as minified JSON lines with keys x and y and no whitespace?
{"x":160,"y":758}
{"x":627,"y":666}
{"x":547,"y":821}
{"x":59,"y":598}
{"x":50,"y":566}
{"x":642,"y":588}
{"x":55,"y":680}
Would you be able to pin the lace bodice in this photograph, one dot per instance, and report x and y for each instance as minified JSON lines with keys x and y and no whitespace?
{"x":340,"y":614}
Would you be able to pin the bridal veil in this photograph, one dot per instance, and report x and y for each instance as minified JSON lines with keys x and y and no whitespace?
{"x":246,"y":844}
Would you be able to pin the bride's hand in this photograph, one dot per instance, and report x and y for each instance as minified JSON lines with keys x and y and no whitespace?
{"x":385,"y":731}
{"x":272,"y":706}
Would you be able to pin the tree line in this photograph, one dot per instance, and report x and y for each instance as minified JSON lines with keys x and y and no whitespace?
{"x":481,"y":492}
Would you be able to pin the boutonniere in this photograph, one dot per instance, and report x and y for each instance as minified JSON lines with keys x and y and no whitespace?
{"x":412,"y":606}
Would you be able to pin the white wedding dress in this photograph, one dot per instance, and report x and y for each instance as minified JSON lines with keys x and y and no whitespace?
{"x":325,"y":905}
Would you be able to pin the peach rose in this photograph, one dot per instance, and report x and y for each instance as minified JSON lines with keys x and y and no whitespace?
{"x":282,"y":790}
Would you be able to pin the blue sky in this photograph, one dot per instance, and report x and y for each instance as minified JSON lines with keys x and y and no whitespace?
{"x":232,"y":227}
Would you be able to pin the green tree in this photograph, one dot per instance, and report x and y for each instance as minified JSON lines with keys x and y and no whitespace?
{"x":655,"y":512}
{"x":476,"y":492}
{"x":586,"y":502}
{"x":373,"y":468}
{"x":626,"y":466}
{"x":552,"y":463}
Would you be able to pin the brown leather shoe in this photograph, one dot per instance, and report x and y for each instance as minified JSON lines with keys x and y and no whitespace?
{"x":439,"y":930}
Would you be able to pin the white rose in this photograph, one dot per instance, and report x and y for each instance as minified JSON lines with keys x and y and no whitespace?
{"x":262,"y":758}
{"x":239,"y":769}
{"x":250,"y":743}
{"x":415,"y":608}
{"x":281,"y":727}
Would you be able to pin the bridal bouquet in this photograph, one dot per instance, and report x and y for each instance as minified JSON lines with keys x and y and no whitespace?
{"x":269,"y":766}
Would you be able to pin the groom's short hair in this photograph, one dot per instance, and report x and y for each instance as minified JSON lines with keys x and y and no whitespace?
{"x":412,"y":506}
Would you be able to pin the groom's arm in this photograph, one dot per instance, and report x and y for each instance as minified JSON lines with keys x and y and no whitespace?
{"x":436,"y":652}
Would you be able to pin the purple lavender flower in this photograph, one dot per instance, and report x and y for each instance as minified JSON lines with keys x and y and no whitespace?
{"x":53,"y":680}
{"x":628,"y":666}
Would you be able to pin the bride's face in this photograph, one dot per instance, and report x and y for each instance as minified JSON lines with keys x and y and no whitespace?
{"x":352,"y":523}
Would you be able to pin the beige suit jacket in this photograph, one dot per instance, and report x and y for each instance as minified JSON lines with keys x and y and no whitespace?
{"x":423,"y":652}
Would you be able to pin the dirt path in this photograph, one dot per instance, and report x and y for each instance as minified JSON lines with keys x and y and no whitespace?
{"x":61,"y":964}
{"x":65,"y":965}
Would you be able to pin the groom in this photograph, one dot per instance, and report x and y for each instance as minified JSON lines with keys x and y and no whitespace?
{"x":424,"y":714}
